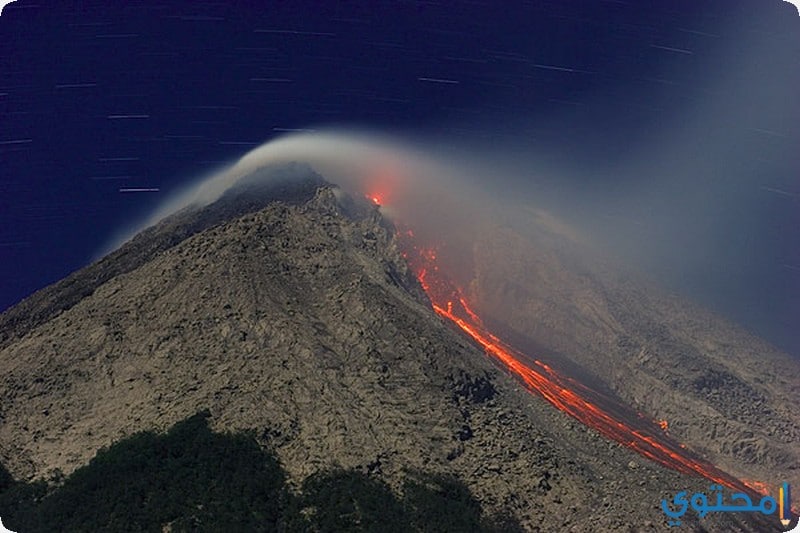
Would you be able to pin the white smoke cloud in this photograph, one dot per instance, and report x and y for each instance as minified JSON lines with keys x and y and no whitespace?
{"x":408,"y":181}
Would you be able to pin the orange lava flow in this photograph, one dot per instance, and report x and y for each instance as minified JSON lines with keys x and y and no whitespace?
{"x":636,"y":432}
{"x":757,"y":486}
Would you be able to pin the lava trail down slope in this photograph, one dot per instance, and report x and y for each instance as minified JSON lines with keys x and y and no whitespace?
{"x":600,"y":412}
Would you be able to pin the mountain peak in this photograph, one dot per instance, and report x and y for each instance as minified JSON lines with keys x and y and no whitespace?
{"x":299,"y":322}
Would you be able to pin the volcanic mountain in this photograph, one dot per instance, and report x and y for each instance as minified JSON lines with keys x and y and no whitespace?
{"x":300,"y":315}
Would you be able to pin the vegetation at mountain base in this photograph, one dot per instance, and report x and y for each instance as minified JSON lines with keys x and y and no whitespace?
{"x":191,"y":479}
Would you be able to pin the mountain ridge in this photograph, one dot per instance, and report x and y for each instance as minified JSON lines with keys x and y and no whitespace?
{"x":303,"y":323}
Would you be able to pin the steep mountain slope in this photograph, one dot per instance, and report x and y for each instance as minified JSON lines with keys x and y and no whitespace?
{"x":301,"y":321}
{"x":722,"y":391}
{"x":294,"y":183}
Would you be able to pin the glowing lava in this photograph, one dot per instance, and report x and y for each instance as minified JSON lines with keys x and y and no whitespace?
{"x":604,"y":414}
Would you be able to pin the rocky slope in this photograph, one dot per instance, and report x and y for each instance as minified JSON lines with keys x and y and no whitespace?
{"x":300,"y":320}
{"x":723,"y":392}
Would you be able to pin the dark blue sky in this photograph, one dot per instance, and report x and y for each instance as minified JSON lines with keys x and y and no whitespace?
{"x":687,"y":103}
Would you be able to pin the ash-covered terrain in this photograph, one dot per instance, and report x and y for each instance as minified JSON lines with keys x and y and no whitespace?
{"x":287,"y":313}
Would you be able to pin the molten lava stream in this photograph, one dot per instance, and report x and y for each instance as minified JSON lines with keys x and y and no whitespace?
{"x":565,"y":393}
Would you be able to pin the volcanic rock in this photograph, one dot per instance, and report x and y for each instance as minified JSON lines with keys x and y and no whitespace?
{"x":723,"y":391}
{"x":297,"y":318}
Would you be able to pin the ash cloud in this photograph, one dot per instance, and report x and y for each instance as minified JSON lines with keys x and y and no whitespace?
{"x":409,"y":182}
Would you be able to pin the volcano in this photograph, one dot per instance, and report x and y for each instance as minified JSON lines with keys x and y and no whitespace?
{"x":300,"y":315}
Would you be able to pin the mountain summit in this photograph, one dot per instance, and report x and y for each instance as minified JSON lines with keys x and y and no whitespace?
{"x":288,"y":311}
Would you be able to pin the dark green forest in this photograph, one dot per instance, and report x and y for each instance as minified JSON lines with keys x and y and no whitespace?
{"x":192,"y":479}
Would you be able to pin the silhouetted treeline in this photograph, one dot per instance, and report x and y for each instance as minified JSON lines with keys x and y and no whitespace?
{"x":194,"y":480}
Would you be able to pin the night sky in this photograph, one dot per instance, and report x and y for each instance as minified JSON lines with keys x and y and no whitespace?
{"x":673,"y":125}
